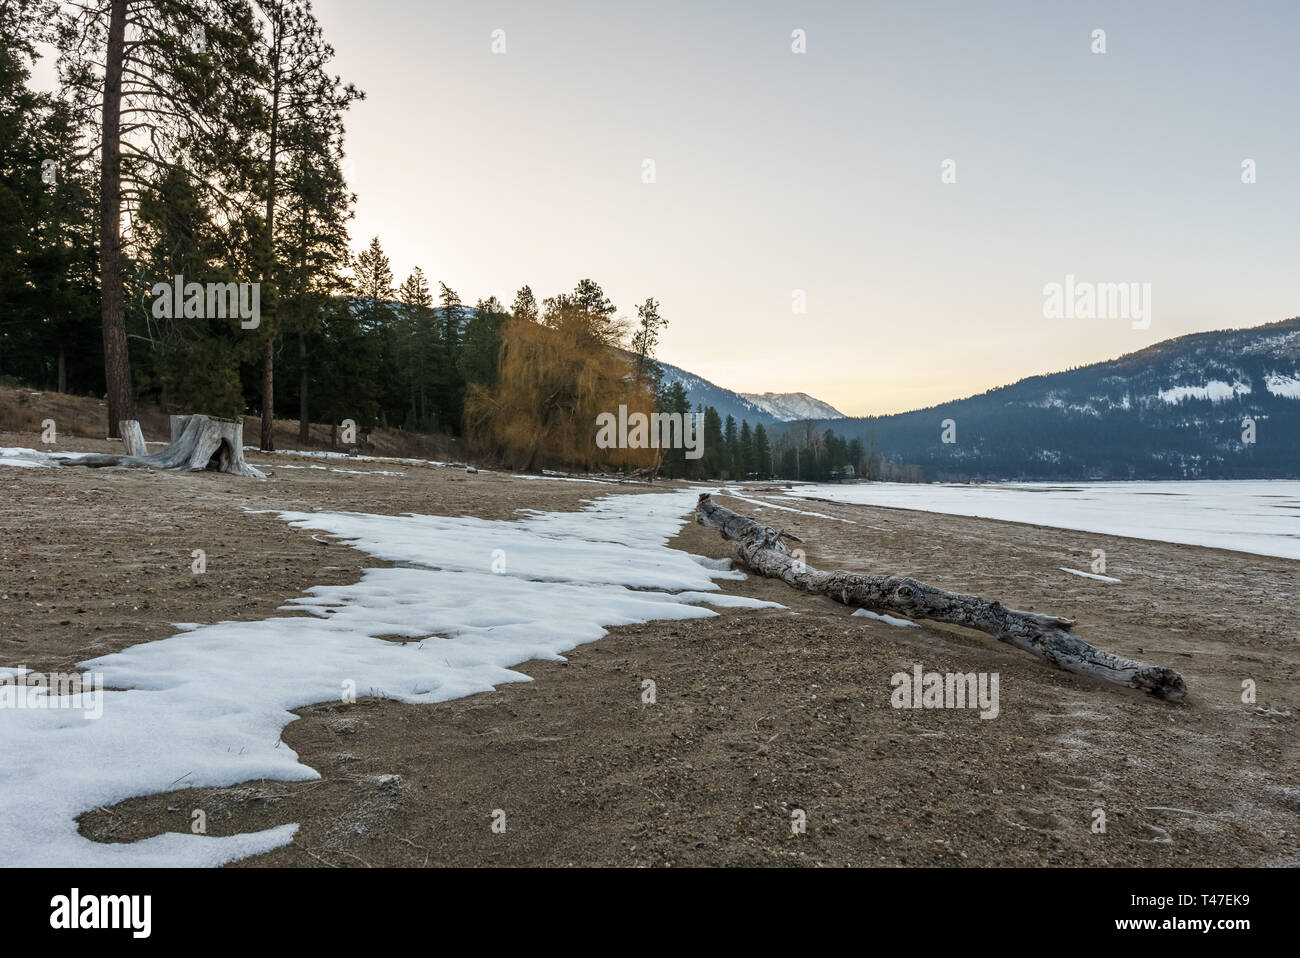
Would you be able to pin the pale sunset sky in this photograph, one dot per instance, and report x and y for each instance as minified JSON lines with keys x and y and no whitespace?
{"x":820,"y":172}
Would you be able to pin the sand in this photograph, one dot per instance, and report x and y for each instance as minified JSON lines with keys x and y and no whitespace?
{"x":758,"y":714}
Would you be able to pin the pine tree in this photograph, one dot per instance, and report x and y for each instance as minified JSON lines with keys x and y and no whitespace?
{"x":374,"y":281}
{"x":481,"y":348}
{"x":746,"y":451}
{"x":415,"y":329}
{"x":762,"y":452}
{"x":586,"y":313}
{"x":372,"y":304}
{"x":158,"y":85}
{"x":712,"y":464}
{"x":674,"y":400}
{"x":525,"y":306}
{"x":646,"y":339}
{"x":48,"y":220}
{"x":731,"y":459}
{"x":316,"y":206}
{"x":193,"y":361}
{"x":349,"y":360}
{"x":856,"y":456}
{"x":301,"y":99}
{"x":451,"y":401}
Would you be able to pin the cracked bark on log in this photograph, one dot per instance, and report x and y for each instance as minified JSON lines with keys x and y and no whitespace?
{"x":198,"y":443}
{"x":760,"y":548}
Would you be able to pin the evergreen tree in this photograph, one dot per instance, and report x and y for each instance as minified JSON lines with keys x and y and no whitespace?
{"x":762,"y":452}
{"x":673,"y":399}
{"x":193,"y":361}
{"x":349,"y":360}
{"x":712,"y":463}
{"x":300,"y":100}
{"x":418,"y":341}
{"x":731,"y":440}
{"x":179,"y":73}
{"x":646,"y":339}
{"x":313,"y":245}
{"x":481,"y":347}
{"x":746,"y":450}
{"x":48,"y":290}
{"x":525,"y":306}
{"x":451,"y":404}
{"x":373,"y":288}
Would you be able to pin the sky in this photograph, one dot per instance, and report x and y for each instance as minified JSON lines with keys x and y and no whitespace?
{"x":781,"y":176}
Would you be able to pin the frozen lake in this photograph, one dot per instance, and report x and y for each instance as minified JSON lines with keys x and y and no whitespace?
{"x":1259,"y":516}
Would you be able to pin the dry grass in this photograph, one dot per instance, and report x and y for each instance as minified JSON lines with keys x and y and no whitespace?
{"x":22,"y":410}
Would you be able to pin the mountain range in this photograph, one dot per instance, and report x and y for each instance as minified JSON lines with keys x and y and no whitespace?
{"x":766,"y":408}
{"x":1215,"y":405}
{"x":1222,"y":405}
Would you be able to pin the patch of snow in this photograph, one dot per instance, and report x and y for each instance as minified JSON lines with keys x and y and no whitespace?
{"x":328,"y":454}
{"x":206,"y":708}
{"x":887,"y":619}
{"x":736,"y":494}
{"x":1089,"y":575}
{"x":601,"y":482}
{"x":789,"y":407}
{"x":1215,"y":391}
{"x":1286,"y":386}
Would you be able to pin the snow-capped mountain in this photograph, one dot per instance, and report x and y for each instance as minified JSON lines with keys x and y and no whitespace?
{"x":701,"y":392}
{"x":1223,"y":404}
{"x":766,"y":408}
{"x":789,"y":407}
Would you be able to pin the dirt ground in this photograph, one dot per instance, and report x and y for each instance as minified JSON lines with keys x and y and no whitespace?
{"x":757,"y":713}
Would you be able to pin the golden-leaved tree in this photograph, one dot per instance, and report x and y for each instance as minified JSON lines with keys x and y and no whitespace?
{"x":555,"y":377}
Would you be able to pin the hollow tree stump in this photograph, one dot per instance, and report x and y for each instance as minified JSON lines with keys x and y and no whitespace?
{"x":200,"y":442}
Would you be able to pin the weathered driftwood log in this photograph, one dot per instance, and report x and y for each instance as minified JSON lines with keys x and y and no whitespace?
{"x":203,"y":442}
{"x":132,"y":437}
{"x":760,"y":548}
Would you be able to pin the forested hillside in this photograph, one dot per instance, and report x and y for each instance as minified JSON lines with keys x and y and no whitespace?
{"x":1218,"y":405}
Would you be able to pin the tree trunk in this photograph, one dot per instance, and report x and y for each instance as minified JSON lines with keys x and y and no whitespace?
{"x":117,"y":364}
{"x":178,"y":426}
{"x":132,"y":438}
{"x":304,"y":419}
{"x":760,"y":548}
{"x":63,"y":371}
{"x":268,"y":396}
{"x":268,"y":356}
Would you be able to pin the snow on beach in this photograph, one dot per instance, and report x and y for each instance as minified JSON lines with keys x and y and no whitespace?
{"x":29,"y":458}
{"x":206,"y":707}
{"x":1258,"y":516}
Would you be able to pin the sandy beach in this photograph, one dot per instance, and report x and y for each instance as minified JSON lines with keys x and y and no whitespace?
{"x":757,"y":714}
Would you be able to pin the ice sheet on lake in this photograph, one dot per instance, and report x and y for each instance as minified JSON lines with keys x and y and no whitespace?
{"x":206,"y":708}
{"x":1260,"y":516}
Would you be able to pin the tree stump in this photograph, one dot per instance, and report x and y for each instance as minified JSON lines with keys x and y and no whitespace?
{"x":132,"y":438}
{"x":198,"y":443}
